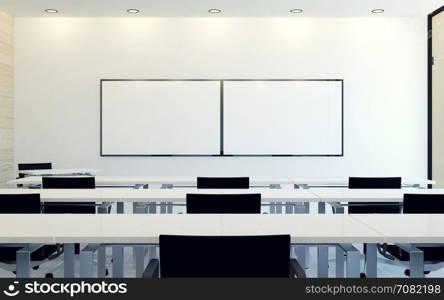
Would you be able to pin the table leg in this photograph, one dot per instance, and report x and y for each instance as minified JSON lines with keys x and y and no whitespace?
{"x":301,"y":255}
{"x":272,"y":207}
{"x":117,"y":261}
{"x":139,"y":260}
{"x":69,"y":260}
{"x":170,"y":207}
{"x":120,"y":207}
{"x":371,"y":260}
{"x":289,"y":208}
{"x":86,"y":263}
{"x":353,"y":264}
{"x":322,"y":261}
{"x":23,"y":261}
{"x":416,"y":263}
{"x":340,"y":260}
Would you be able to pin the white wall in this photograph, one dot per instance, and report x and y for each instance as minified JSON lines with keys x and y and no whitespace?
{"x":59,"y":62}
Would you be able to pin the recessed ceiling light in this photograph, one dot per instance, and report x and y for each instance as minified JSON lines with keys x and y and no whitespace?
{"x":133,"y":11}
{"x":214,"y":10}
{"x":297,"y":11}
{"x":378,"y":11}
{"x":51,"y":11}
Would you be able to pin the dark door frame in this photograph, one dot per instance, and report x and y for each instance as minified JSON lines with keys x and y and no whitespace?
{"x":430,"y":91}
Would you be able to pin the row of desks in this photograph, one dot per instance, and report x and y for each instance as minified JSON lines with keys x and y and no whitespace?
{"x":179,"y":195}
{"x":121,"y":230}
{"x":171,"y":181}
{"x":145,"y":229}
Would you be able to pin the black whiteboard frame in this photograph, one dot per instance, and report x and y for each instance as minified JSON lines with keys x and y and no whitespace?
{"x":221,"y":145}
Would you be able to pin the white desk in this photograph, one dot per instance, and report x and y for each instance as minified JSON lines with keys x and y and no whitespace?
{"x":406,"y":230}
{"x":337,"y":195}
{"x":157,"y":195}
{"x":343,"y":182}
{"x":59,"y":172}
{"x":142,"y":229}
{"x":171,"y":181}
{"x":166,"y":181}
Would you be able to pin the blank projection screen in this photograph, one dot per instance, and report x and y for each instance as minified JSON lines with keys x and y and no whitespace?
{"x":283,"y":117}
{"x":149,"y":117}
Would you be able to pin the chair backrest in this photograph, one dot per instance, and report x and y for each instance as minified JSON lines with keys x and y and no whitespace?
{"x":20,"y":204}
{"x":423,"y":204}
{"x":223,"y":203}
{"x":224,"y":256}
{"x":374,"y":183}
{"x":33,"y":166}
{"x":52,"y":182}
{"x":223,"y":182}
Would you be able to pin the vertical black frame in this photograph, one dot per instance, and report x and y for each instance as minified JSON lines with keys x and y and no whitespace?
{"x":430,"y":91}
{"x":221,"y":152}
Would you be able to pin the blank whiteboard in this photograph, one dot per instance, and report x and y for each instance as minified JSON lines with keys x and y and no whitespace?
{"x":288,"y":117}
{"x":159,"y":117}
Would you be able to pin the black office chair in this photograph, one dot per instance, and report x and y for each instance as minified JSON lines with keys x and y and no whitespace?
{"x":69,"y":183}
{"x":223,"y":203}
{"x":374,"y":183}
{"x":421,"y":204}
{"x":33,"y":166}
{"x":69,"y":207}
{"x":23,"y":204}
{"x":224,"y":257}
{"x":375,"y":207}
{"x":223,"y":182}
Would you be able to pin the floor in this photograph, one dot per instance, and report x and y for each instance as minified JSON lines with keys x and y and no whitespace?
{"x":386,"y":268}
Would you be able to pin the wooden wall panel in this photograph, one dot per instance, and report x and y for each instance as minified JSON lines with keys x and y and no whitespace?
{"x":6,"y":98}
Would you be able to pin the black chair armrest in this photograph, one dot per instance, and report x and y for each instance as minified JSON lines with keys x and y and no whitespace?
{"x":152,"y":270}
{"x":296,"y":269}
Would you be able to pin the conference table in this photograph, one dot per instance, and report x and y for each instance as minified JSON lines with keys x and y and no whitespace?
{"x":326,"y":195}
{"x":338,"y":195}
{"x":169,"y":182}
{"x":408,"y":231}
{"x":103,"y":196}
{"x":311,"y":182}
{"x":174,"y":196}
{"x":163,"y":181}
{"x":59,"y":172}
{"x":140,"y":231}
{"x":119,"y":231}
{"x":191,"y":181}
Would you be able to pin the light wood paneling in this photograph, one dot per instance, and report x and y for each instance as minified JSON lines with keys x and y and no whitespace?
{"x":6,"y":98}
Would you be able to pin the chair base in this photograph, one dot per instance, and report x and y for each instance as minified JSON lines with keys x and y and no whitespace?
{"x":407,"y":272}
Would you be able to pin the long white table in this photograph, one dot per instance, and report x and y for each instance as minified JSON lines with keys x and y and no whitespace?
{"x":406,"y":230}
{"x":59,"y":172}
{"x":153,"y":196}
{"x":368,"y":195}
{"x":343,"y":182}
{"x":121,"y":230}
{"x":326,"y":195}
{"x":189,"y":181}
{"x":157,"y":195}
{"x":165,"y":181}
{"x":338,"y":195}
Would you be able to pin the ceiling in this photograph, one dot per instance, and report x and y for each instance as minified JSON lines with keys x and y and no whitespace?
{"x":231,"y":8}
